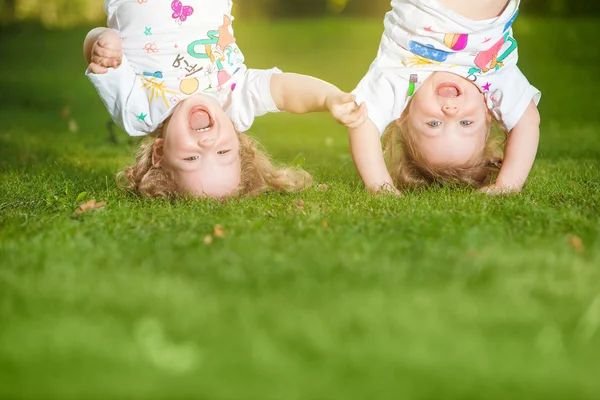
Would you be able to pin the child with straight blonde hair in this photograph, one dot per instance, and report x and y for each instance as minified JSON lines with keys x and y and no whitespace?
{"x":445,"y":75}
{"x":173,"y":71}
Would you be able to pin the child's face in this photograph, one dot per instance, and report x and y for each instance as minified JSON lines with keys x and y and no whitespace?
{"x":201,"y":148}
{"x":448,"y":120}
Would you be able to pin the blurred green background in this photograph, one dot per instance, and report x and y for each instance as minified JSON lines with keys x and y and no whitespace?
{"x":437,"y":295}
{"x":64,"y":13}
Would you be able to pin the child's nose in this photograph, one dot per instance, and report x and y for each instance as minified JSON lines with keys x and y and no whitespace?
{"x":450,"y":109}
{"x":206,"y":142}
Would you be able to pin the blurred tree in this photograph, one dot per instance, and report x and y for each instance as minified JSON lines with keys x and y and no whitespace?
{"x":52,"y":13}
{"x":282,"y":8}
{"x":561,"y":7}
{"x":301,"y":7}
{"x":368,"y":7}
{"x":7,"y":10}
{"x":59,"y":13}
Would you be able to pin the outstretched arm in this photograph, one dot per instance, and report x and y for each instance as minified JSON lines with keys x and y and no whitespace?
{"x":102,"y":49}
{"x":519,"y":153}
{"x":365,"y":147}
{"x":300,"y":94}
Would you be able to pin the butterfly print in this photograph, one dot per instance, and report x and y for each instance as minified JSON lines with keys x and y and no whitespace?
{"x":180,"y":12}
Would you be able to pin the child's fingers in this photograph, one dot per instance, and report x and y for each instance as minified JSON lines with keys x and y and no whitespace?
{"x":348,"y":114}
{"x":352,"y":121}
{"x":389,"y":189}
{"x":356,"y":123}
{"x":362,"y":108}
{"x":347,"y":98}
{"x":109,"y":41}
{"x":343,"y":99}
{"x":107,"y":53}
{"x":494,"y":190}
{"x":346,"y":118}
{"x":113,"y":62}
{"x":97,"y":69}
{"x":359,"y":113}
{"x":106,"y":62}
{"x":358,"y":117}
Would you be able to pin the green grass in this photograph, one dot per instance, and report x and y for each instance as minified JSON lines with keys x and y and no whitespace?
{"x":437,"y":295}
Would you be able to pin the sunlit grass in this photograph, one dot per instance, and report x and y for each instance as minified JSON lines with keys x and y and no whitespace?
{"x":440,"y":294}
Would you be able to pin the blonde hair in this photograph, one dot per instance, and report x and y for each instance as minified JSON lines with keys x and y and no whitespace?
{"x":410,"y":169}
{"x":258,"y":173}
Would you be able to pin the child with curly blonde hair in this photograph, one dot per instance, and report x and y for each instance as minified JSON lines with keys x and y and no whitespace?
{"x":174,"y":72}
{"x":445,"y":74}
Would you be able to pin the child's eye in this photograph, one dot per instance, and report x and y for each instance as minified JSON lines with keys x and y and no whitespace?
{"x":434,"y":124}
{"x":192,"y":158}
{"x":466,"y":123}
{"x":223,"y":152}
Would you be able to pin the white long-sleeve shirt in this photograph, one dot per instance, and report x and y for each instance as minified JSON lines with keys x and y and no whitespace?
{"x":172,"y":50}
{"x":422,"y":37}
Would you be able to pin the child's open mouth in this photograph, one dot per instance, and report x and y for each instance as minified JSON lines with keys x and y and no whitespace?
{"x":448,"y":90}
{"x":200,"y":119}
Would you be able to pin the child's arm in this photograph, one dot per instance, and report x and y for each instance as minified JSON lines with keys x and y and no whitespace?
{"x":300,"y":94}
{"x":102,"y":49}
{"x":365,"y":147}
{"x":119,"y":88}
{"x":519,"y":153}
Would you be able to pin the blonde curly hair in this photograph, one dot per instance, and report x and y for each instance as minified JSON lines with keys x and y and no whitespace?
{"x":410,"y":169}
{"x":258,"y":173}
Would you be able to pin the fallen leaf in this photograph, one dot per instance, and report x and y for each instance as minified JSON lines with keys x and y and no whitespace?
{"x":88,"y":206}
{"x":219,"y":232}
{"x":324,"y":224}
{"x":322,"y":187}
{"x":65,"y":112}
{"x":300,"y":204}
{"x":576,"y":243}
{"x":73,"y":127}
{"x":208,"y":239}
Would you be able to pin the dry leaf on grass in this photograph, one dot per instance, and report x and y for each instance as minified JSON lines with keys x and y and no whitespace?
{"x":208,"y":239}
{"x":65,"y":112}
{"x":324,"y":224}
{"x":300,"y":204}
{"x":219,"y":232}
{"x":576,"y":243}
{"x":88,"y":206}
{"x":472,"y":253}
{"x":322,"y":187}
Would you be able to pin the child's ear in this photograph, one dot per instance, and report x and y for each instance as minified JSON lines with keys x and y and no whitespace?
{"x":158,"y":151}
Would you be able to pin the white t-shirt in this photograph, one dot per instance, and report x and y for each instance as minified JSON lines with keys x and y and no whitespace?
{"x":422,"y":37}
{"x":173,"y":50}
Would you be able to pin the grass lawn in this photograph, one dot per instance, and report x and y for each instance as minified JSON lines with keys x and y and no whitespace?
{"x":436,"y":295}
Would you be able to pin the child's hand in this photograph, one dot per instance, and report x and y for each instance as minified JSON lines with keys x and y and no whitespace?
{"x":107,"y":52}
{"x":389,"y":189}
{"x":344,"y":110}
{"x":494,"y":190}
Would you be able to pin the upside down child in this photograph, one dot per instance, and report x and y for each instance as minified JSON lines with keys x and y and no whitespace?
{"x":445,"y":73}
{"x":173,"y":72}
